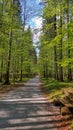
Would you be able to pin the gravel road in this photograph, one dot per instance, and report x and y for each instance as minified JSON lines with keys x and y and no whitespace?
{"x":25,"y":108}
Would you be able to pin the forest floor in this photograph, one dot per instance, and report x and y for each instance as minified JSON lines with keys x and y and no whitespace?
{"x":6,"y":88}
{"x":26,"y":108}
{"x":62,"y":122}
{"x":43,"y":112}
{"x":55,"y":90}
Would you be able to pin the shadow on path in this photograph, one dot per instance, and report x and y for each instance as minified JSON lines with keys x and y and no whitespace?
{"x":26,"y":109}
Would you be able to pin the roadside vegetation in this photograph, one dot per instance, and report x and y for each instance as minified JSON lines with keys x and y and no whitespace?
{"x":55,"y":89}
{"x":17,"y":53}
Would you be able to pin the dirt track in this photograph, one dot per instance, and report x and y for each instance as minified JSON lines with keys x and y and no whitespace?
{"x":26,"y":108}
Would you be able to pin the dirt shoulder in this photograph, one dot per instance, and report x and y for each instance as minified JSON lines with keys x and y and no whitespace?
{"x":61,"y":122}
{"x":6,"y":88}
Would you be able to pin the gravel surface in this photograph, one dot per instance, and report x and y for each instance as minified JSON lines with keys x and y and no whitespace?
{"x":26,"y":108}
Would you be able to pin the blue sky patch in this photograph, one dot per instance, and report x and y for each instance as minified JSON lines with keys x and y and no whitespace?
{"x":33,"y":9}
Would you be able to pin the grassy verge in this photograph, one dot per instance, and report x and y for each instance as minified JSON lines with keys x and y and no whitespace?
{"x":55,"y":89}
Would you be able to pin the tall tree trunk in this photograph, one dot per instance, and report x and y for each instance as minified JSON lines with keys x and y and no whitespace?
{"x":69,"y":51}
{"x":69,"y":67}
{"x":9,"y":58}
{"x":55,"y":64}
{"x":55,"y":50}
{"x":1,"y":74}
{"x":24,"y":18}
{"x":60,"y":46}
{"x":21,"y":74}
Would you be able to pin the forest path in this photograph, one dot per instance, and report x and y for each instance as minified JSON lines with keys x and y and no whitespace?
{"x":25,"y":108}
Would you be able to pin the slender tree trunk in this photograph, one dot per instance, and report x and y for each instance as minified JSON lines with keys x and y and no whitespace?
{"x":69,"y":67}
{"x":69,"y":51}
{"x":46,"y":70}
{"x":61,"y":55}
{"x":1,"y":25}
{"x":55,"y":64}
{"x":21,"y":74}
{"x":9,"y":58}
{"x":9,"y":49}
{"x":1,"y":74}
{"x":55,"y":50}
{"x":60,"y":67}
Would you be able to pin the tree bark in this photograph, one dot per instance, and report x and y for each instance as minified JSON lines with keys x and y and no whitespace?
{"x":9,"y":58}
{"x":21,"y":74}
{"x":1,"y":74}
{"x":61,"y":55}
{"x":55,"y":64}
{"x":55,"y":50}
{"x":69,"y":51}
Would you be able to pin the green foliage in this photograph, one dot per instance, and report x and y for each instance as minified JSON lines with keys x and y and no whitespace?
{"x":17,"y":53}
{"x":56,"y":41}
{"x":54,"y":88}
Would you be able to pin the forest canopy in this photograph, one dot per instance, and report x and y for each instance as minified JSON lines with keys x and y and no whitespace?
{"x":56,"y":49}
{"x":17,"y":53}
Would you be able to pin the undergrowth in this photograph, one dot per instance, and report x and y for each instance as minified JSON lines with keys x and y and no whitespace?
{"x":54,"y":88}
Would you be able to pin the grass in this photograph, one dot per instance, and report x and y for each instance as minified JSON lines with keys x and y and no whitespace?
{"x":54,"y":88}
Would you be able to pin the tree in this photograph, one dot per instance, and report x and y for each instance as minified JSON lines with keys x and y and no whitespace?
{"x":68,"y":36}
{"x":10,"y":12}
{"x":57,"y":38}
{"x":60,"y":46}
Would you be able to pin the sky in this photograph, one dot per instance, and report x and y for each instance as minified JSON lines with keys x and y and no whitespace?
{"x":33,"y":8}
{"x":33,"y":11}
